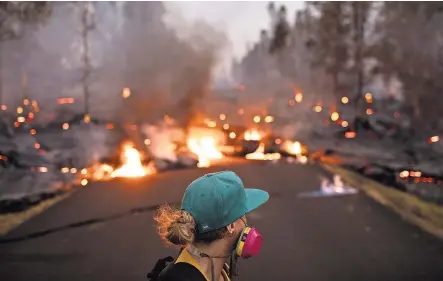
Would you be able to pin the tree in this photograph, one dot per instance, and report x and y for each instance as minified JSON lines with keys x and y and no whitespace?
{"x":15,"y":17}
{"x":360,"y":13}
{"x":88,"y":24}
{"x":414,"y":60}
{"x":330,"y":41}
{"x":280,"y":29}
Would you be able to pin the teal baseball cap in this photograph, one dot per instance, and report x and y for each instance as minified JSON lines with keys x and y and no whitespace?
{"x":218,"y":199}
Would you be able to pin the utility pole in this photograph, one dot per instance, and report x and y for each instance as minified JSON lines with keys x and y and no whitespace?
{"x":87,"y":26}
{"x":358,"y":21}
{"x":1,"y":75}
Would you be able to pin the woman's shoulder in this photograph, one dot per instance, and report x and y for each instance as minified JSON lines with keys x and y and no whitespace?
{"x":182,"y":271}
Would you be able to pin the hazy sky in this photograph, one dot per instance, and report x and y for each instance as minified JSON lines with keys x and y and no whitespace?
{"x":241,"y":21}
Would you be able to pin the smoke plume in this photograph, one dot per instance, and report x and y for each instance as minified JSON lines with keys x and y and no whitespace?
{"x":170,"y":68}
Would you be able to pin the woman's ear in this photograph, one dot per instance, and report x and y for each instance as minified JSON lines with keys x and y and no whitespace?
{"x":231,"y":229}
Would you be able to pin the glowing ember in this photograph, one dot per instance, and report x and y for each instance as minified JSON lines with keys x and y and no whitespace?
{"x":259,"y":154}
{"x":317,"y":108}
{"x":205,"y":149}
{"x":126,"y":93}
{"x":132,"y":165}
{"x":253,"y":135}
{"x":350,"y":135}
{"x":269,"y":119}
{"x":293,"y":148}
{"x":434,"y":139}
{"x":42,"y":169}
{"x":335,"y":116}
{"x":404,"y":174}
{"x":298,"y":97}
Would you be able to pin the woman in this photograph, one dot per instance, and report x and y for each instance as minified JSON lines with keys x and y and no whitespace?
{"x":211,"y":228}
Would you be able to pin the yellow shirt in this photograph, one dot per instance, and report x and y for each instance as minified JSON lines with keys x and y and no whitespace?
{"x":185,"y":256}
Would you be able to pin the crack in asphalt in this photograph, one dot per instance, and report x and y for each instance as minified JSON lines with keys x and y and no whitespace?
{"x":79,"y":224}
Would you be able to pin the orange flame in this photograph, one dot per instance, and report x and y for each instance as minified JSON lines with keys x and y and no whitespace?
{"x":132,"y":165}
{"x":259,"y":154}
{"x":205,"y":149}
{"x":253,"y":135}
{"x":293,"y":148}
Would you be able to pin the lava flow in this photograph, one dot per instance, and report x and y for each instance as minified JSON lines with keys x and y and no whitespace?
{"x":253,"y":135}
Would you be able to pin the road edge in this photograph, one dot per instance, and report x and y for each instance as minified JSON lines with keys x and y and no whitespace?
{"x":11,"y":221}
{"x":427,"y":216}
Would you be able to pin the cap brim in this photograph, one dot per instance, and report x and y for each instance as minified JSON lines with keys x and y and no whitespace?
{"x":255,"y":198}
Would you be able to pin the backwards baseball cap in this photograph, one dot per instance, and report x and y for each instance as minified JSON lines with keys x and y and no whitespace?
{"x":218,"y":199}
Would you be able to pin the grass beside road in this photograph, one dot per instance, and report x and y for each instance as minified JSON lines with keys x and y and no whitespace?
{"x":427,"y":216}
{"x":10,"y":221}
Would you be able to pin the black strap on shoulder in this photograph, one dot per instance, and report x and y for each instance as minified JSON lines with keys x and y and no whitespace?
{"x":160,"y":266}
{"x":166,"y":268}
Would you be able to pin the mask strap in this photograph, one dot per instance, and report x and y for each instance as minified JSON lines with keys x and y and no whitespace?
{"x":203,"y":255}
{"x":196,"y":252}
{"x":233,"y":265}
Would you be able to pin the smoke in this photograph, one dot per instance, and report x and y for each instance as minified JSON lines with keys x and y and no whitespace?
{"x":170,"y":67}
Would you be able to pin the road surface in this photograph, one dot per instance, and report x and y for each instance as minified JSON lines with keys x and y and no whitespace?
{"x":340,"y":238}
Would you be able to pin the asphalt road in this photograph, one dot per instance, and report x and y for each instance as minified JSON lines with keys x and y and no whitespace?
{"x":340,"y":238}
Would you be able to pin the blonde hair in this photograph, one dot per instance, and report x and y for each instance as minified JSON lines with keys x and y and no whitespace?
{"x":178,"y":227}
{"x":175,"y":227}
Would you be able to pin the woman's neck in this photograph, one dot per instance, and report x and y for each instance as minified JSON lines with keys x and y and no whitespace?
{"x":218,"y":256}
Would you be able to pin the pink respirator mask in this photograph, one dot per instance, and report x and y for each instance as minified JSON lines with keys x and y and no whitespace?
{"x":249,"y":243}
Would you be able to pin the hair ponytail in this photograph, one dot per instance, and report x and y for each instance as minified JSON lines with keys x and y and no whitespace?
{"x":176,"y":227}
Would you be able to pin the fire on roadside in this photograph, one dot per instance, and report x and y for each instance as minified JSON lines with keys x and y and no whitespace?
{"x":206,"y":150}
{"x":295,"y":149}
{"x":253,"y":135}
{"x":259,"y":154}
{"x":132,"y":166}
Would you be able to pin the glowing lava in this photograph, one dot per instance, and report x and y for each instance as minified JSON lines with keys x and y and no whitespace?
{"x":253,"y":135}
{"x":259,"y":154}
{"x":132,"y":166}
{"x":293,"y":148}
{"x":206,"y":150}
